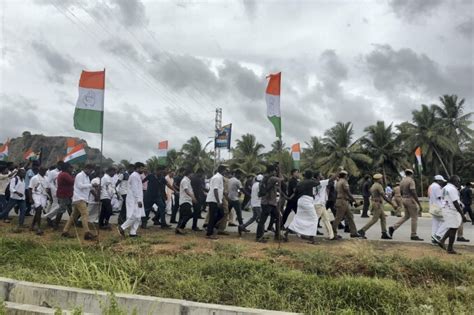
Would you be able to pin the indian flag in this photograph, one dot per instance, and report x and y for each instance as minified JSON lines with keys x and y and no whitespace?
{"x":70,"y":144}
{"x":4,"y":150}
{"x":30,"y":155}
{"x":418,"y":159}
{"x":272,"y":96}
{"x":77,"y":154}
{"x":162,"y":151}
{"x":89,"y":113}
{"x":296,"y":154}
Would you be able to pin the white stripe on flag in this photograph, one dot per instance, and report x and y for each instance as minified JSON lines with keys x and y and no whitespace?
{"x":273,"y":105}
{"x":91,"y":99}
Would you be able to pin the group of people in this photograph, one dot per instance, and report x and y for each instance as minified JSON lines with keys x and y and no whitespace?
{"x":91,"y":196}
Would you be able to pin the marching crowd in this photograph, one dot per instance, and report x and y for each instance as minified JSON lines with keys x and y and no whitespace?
{"x":91,"y":196}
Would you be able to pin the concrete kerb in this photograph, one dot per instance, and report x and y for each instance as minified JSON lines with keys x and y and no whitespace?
{"x":22,"y":292}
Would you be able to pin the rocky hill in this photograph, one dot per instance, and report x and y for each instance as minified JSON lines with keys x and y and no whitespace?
{"x":53,"y":149}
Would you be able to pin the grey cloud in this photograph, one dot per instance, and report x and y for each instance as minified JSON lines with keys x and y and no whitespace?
{"x":132,"y":12}
{"x":59,"y":64}
{"x":414,"y":9}
{"x":466,"y":28}
{"x":121,"y":48}
{"x":245,"y":80}
{"x":18,"y":114}
{"x":250,"y":7}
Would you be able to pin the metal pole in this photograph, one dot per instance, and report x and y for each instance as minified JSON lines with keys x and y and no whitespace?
{"x":101,"y":161}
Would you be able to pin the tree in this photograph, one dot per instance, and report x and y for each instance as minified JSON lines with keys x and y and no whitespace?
{"x":174,"y":159}
{"x":314,"y":150}
{"x":247,"y":154}
{"x":341,"y":151}
{"x":383,"y":146}
{"x":428,"y":133}
{"x":125,"y":163}
{"x":152,"y":164}
{"x":195,"y":156}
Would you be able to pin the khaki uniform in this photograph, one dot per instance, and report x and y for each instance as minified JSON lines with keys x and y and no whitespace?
{"x":376,"y":193}
{"x":411,"y":211}
{"x":222,"y":224}
{"x":343,"y":207}
{"x":397,"y":200}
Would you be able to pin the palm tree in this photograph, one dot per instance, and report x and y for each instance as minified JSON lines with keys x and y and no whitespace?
{"x":314,"y":150}
{"x":427,"y":132}
{"x":247,"y":154}
{"x":455,"y":122}
{"x":383,"y":146}
{"x":195,"y":155}
{"x":174,"y":159}
{"x":125,"y":163}
{"x":152,"y":164}
{"x":342,"y":151}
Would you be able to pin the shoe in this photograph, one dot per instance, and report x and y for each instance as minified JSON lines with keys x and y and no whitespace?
{"x":50,"y":222}
{"x":156,"y":222}
{"x":66,"y":235}
{"x":361,"y":232}
{"x":435,"y":238}
{"x":452,"y":252}
{"x":196,"y":229}
{"x":391,"y":230}
{"x":434,"y":243}
{"x":462,"y":239}
{"x":336,"y":238}
{"x":223,"y":233}
{"x":239,"y":229}
{"x":347,"y":229}
{"x":39,"y":232}
{"x":89,"y":236}
{"x":246,"y":231}
{"x":121,"y":231}
{"x":133,"y":235}
{"x":105,"y":227}
{"x":180,"y":232}
{"x":174,"y":222}
{"x":364,"y":216}
{"x":204,"y":225}
{"x":416,"y":238}
{"x":232,"y":224}
{"x":358,"y":236}
{"x":166,"y":227}
{"x":261,"y":240}
{"x":319,"y":233}
{"x":340,"y":226}
{"x":385,"y":236}
{"x":28,"y":214}
{"x":212,"y":237}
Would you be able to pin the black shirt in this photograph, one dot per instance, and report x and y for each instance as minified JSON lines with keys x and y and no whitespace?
{"x":198,"y":186}
{"x":366,"y":188}
{"x":293,"y":182}
{"x":156,"y":187}
{"x":466,"y":196}
{"x":305,"y":187}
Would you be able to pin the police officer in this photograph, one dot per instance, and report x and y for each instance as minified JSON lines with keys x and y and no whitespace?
{"x":377,"y":198}
{"x":343,"y":198}
{"x":397,"y":200}
{"x":410,"y":202}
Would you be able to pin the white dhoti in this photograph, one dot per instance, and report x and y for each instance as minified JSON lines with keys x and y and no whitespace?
{"x":451,"y":220}
{"x":94,"y":212}
{"x":305,"y":221}
{"x":134,"y":216}
{"x":40,"y":201}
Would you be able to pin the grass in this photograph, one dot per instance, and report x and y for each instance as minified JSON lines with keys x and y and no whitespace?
{"x":360,"y":279}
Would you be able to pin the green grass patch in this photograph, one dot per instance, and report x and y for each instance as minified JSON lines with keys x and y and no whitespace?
{"x":312,"y":282}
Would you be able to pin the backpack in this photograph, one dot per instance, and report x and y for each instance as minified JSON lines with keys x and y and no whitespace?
{"x":263,"y":188}
{"x":7,"y":190}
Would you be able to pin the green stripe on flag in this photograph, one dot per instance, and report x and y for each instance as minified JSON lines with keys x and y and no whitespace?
{"x":276,"y":121}
{"x":88,"y":120}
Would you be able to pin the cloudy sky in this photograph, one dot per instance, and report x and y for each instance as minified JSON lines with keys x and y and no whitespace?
{"x":171,"y":63}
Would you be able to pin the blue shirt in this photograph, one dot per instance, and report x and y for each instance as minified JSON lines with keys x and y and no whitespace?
{"x":29,"y":175}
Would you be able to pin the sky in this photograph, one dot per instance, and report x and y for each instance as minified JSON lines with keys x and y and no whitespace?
{"x":170,"y":64}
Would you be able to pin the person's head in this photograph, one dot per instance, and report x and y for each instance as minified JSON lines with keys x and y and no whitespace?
{"x":111,"y":171}
{"x":409,"y":172}
{"x":238,"y":173}
{"x":130,"y":168}
{"x":3,"y":170}
{"x":455,"y":180}
{"x":295,"y":173}
{"x":367,"y":177}
{"x":171,"y":173}
{"x":317,"y":175}
{"x":378,"y":177}
{"x":139,"y":167}
{"x":89,"y":168}
{"x":42,"y":171}
{"x":308,"y":174}
{"x":187,"y":171}
{"x":259,"y":178}
{"x":59,"y":165}
{"x":66,"y":167}
{"x":439,"y":179}
{"x":21,"y":173}
{"x":160,"y":170}
{"x":343,"y":174}
{"x":221,"y":169}
{"x":35,"y":166}
{"x":468,"y":185}
{"x":180,"y":171}
{"x":271,"y":169}
{"x":52,"y":167}
{"x":199,"y":172}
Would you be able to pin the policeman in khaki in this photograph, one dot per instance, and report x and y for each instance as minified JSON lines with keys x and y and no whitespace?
{"x":397,"y":200}
{"x":410,"y":202}
{"x":377,"y":197}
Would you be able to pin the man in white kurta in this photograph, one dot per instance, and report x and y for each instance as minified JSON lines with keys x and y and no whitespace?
{"x":436,"y":204}
{"x":39,"y":192}
{"x":135,"y":210}
{"x":320,"y":199}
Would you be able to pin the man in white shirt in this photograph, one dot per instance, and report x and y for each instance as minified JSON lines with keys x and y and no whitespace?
{"x":235,"y":185}
{"x":39,"y":194}
{"x":453,"y":215}
{"x":93,"y":205}
{"x":436,"y":203}
{"x":186,"y":200}
{"x":255,"y":203}
{"x":214,"y":199}
{"x":320,"y":199}
{"x":82,"y":188}
{"x":51,"y":177}
{"x":122,"y":186}
{"x":5,"y":176}
{"x":17,"y":198}
{"x":135,"y":209}
{"x":107,"y":191}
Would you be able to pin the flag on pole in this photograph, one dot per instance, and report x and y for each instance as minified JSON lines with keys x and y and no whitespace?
{"x":70,"y":144}
{"x":30,"y":155}
{"x":77,"y":154}
{"x":89,"y":113}
{"x":272,"y":97}
{"x":162,"y":152}
{"x":418,"y":158}
{"x":296,"y":155}
{"x":4,"y":151}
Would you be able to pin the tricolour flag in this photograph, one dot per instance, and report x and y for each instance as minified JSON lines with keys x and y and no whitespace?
{"x":30,"y":155}
{"x":70,"y":144}
{"x":77,"y":154}
{"x":272,"y":96}
{"x":418,"y":158}
{"x":4,"y":150}
{"x":163,"y":148}
{"x":89,"y":113}
{"x":296,"y":154}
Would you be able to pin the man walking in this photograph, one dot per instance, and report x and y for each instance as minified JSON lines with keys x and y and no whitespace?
{"x":82,"y":188}
{"x":378,"y":196}
{"x":156,"y":195}
{"x":466,"y":199}
{"x":40,"y":193}
{"x":65,"y":191}
{"x":292,"y":203}
{"x":255,"y":203}
{"x":268,"y":192}
{"x":410,"y":201}
{"x":366,"y":194}
{"x":186,"y":200}
{"x":135,"y":210}
{"x":5,"y":176}
{"x":235,"y":185}
{"x":107,"y":191}
{"x":214,"y":200}
{"x":397,"y":200}
{"x":17,"y":198}
{"x":199,"y":188}
{"x":436,"y":203}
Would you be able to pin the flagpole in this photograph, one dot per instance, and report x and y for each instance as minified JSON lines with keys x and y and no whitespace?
{"x":280,"y":202}
{"x":101,"y":157}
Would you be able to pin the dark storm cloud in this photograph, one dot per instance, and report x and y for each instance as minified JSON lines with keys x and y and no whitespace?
{"x":413,"y":9}
{"x":58,"y":64}
{"x":466,"y":28}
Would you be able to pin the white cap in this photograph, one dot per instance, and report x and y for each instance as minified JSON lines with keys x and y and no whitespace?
{"x":259,"y":177}
{"x":439,"y":177}
{"x":95,"y":181}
